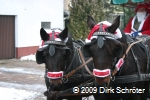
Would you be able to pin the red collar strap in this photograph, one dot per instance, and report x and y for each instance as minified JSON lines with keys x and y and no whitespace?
{"x":101,"y":73}
{"x":55,"y":75}
{"x":119,"y":63}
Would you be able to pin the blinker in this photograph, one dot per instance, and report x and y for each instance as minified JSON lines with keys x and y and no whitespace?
{"x":52,"y":47}
{"x":100,"y":41}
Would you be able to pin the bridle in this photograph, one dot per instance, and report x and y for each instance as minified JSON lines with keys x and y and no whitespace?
{"x":109,"y":72}
{"x":60,"y":74}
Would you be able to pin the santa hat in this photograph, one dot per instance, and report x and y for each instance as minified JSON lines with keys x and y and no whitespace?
{"x":148,"y":4}
{"x":142,"y":5}
{"x":105,"y":24}
{"x":56,"y":38}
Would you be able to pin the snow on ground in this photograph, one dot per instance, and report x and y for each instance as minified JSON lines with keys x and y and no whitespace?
{"x":37,"y":87}
{"x":15,"y":94}
{"x":14,"y":91}
{"x":28,"y":57}
{"x":22,"y":70}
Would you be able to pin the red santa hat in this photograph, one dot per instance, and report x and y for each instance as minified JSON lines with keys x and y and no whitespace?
{"x":142,"y":5}
{"x":148,"y":4}
{"x":55,"y":37}
{"x":105,"y":24}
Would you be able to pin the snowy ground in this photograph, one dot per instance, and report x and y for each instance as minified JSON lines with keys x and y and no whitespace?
{"x":20,"y":81}
{"x":29,"y":57}
{"x":23,"y":79}
{"x":16,"y":94}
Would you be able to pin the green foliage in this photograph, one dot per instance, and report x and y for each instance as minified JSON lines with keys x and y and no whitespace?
{"x":112,"y":11}
{"x":129,"y":12}
{"x":78,"y":16}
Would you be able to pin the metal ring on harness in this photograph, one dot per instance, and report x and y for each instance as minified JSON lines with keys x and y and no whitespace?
{"x":65,"y":79}
{"x":112,"y":78}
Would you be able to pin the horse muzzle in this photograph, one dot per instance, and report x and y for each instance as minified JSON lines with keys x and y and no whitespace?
{"x":55,"y":80}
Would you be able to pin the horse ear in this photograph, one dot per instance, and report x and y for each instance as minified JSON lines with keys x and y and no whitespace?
{"x":114,"y":25}
{"x":44,"y":34}
{"x":64,"y":34}
{"x":90,"y":22}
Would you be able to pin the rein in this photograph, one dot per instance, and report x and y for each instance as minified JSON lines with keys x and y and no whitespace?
{"x":82,"y":58}
{"x":84,"y":64}
{"x":116,"y":68}
{"x":83,"y":61}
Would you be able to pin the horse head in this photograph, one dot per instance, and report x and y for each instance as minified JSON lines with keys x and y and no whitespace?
{"x":104,"y":47}
{"x":55,"y":53}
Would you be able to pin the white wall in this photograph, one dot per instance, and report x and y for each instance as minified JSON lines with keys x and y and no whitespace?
{"x":29,"y":14}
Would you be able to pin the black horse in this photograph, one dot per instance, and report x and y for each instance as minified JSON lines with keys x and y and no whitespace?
{"x":106,"y":50}
{"x":60,"y":58}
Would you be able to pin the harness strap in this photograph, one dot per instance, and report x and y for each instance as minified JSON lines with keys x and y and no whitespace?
{"x":71,"y":60}
{"x":77,"y":78}
{"x":137,"y":63}
{"x":73,"y":71}
{"x":116,"y":69}
{"x":130,"y":78}
{"x":82,"y":58}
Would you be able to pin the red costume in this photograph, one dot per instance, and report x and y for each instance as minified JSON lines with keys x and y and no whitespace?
{"x":144,"y":27}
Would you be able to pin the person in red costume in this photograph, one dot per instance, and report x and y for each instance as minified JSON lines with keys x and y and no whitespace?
{"x":140,"y":23}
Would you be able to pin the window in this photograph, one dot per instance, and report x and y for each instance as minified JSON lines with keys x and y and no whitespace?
{"x":46,"y":25}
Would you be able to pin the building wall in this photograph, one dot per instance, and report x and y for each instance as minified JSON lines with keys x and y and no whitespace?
{"x":66,"y":4}
{"x":28,"y":17}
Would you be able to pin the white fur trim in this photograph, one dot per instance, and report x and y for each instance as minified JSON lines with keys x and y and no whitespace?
{"x":140,"y":33}
{"x":132,"y":23}
{"x":118,"y":34}
{"x":66,"y":39}
{"x":43,"y":46}
{"x":87,"y":41}
{"x":105,"y":22}
{"x":128,"y":33}
{"x":93,"y":37}
{"x":57,"y":39}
